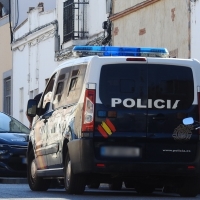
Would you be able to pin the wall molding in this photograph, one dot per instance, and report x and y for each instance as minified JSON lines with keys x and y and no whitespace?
{"x":132,"y":9}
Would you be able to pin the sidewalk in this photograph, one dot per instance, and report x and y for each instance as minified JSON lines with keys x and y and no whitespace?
{"x":7,"y":180}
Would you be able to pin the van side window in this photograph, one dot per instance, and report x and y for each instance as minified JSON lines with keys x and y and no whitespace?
{"x":69,"y":85}
{"x":46,"y":98}
{"x":73,"y":84}
{"x":61,"y":88}
{"x":76,"y":83}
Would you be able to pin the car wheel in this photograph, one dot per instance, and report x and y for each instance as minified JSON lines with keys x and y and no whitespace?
{"x":35,"y":183}
{"x":144,"y":188}
{"x":189,"y":188}
{"x":94,"y":185}
{"x":117,"y":185}
{"x":74,"y":183}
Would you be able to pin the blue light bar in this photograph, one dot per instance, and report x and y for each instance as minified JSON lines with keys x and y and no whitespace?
{"x":120,"y":51}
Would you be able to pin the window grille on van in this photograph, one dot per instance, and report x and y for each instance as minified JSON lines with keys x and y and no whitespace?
{"x":74,"y":19}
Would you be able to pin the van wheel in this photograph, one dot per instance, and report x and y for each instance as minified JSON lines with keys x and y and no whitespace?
{"x":144,"y":188}
{"x":35,"y":183}
{"x":189,"y":188}
{"x":94,"y":185}
{"x":74,"y":183}
{"x":117,"y":185}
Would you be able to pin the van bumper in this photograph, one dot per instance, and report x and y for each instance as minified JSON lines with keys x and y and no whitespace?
{"x":83,"y":160}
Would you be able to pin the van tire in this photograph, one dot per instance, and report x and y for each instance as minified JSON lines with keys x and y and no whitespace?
{"x":74,"y":183}
{"x":35,"y":183}
{"x":189,"y":188}
{"x":116,"y":185}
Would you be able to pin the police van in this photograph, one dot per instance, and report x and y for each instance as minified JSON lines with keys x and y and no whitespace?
{"x":114,"y":115}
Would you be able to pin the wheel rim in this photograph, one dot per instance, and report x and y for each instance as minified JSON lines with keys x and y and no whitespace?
{"x":33,"y":169}
{"x":68,"y":174}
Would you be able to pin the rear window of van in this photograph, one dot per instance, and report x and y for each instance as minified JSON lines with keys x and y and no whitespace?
{"x":165,"y":83}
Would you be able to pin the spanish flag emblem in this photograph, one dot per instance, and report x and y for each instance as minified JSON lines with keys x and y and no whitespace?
{"x":106,"y":128}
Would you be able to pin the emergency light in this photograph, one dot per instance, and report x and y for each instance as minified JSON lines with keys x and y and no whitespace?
{"x":82,"y":51}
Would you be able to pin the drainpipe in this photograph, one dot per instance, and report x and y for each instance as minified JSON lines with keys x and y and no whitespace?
{"x":11,"y":33}
{"x":189,"y":29}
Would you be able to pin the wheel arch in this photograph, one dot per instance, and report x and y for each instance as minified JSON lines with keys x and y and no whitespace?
{"x":30,"y":147}
{"x":64,"y":150}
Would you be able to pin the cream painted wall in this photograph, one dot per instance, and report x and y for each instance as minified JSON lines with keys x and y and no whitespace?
{"x":5,"y":56}
{"x":160,"y":29}
{"x":120,"y":5}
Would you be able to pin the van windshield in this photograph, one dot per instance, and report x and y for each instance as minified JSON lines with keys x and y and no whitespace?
{"x":152,"y":86}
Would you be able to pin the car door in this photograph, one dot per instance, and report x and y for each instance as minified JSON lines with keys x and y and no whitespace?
{"x":170,"y":94}
{"x":40,"y":142}
{"x":46,"y":125}
{"x":56,"y":120}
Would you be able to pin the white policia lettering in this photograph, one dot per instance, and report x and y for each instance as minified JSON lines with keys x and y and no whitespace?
{"x":159,"y":103}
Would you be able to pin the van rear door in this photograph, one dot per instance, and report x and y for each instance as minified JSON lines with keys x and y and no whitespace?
{"x":121,"y":118}
{"x":142,"y":109}
{"x":170,"y":96}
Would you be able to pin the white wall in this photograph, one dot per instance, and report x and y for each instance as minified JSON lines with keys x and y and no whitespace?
{"x":33,"y":61}
{"x":96,"y":14}
{"x":195,"y":30}
{"x":24,"y":5}
{"x":39,"y":59}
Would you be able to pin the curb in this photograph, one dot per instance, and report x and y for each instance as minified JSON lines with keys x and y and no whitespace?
{"x":5,"y":180}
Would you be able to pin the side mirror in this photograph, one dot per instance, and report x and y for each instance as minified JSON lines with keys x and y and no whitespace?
{"x":188,"y":121}
{"x":32,"y":108}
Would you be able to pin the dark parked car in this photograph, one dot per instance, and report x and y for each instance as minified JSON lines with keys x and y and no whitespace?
{"x":13,"y":146}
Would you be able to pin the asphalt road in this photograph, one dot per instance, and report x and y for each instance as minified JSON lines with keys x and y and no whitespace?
{"x":23,"y":192}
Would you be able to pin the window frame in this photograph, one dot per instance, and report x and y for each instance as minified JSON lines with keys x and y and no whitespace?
{"x":42,"y":110}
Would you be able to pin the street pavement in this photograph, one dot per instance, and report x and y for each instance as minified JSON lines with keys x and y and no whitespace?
{"x":6,"y":180}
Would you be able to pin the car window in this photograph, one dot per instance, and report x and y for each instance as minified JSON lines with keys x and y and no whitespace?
{"x":123,"y":81}
{"x":61,"y":88}
{"x":174,"y":83}
{"x":9,"y":124}
{"x":168,"y":83}
{"x":69,"y":85}
{"x":75,"y":83}
{"x":46,"y":97}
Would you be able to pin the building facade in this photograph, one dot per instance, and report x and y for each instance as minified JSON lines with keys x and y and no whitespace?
{"x":6,"y":61}
{"x":195,"y":29}
{"x":154,"y":23}
{"x":33,"y":57}
{"x":20,"y":8}
{"x":45,"y":39}
{"x":79,"y":24}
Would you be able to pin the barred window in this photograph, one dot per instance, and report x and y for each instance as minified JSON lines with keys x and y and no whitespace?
{"x":7,"y":95}
{"x":68,"y":21}
{"x":75,"y":20}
